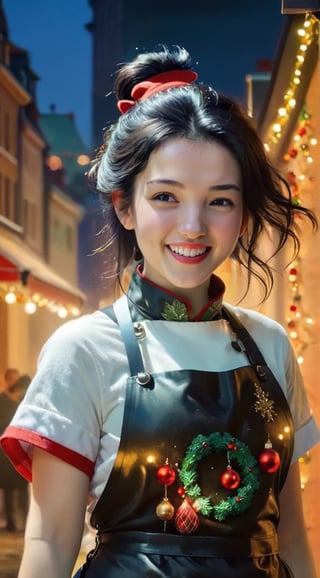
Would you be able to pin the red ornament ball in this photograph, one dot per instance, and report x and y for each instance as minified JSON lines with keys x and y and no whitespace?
{"x":293,"y":153}
{"x":269,"y":461}
{"x":230,"y":479}
{"x":166,"y":475}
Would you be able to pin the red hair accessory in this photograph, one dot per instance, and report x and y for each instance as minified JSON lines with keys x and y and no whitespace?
{"x":115,"y":196}
{"x":157,"y":83}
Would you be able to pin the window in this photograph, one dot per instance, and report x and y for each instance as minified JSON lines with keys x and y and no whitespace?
{"x":30,"y":219}
{"x":69,"y":238}
{"x":6,"y":131}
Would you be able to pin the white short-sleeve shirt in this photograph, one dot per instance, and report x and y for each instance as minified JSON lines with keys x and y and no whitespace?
{"x":74,"y":406}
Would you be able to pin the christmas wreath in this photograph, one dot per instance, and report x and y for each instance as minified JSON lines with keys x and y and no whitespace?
{"x":244,"y":485}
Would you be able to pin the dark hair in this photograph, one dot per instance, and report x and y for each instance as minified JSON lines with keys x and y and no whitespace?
{"x":195,"y":112}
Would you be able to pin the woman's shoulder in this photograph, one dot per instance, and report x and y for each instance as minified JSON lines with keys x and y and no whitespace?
{"x":84,"y":327}
{"x":256,"y":320}
{"x":267,"y":332}
{"x":89,"y":333}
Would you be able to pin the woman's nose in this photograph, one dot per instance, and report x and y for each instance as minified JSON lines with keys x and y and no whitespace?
{"x":192,"y":224}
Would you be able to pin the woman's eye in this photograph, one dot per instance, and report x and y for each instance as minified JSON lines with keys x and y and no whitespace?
{"x":164,"y":197}
{"x":222,"y":202}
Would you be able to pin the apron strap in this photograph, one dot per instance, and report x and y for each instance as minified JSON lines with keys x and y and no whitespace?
{"x":244,"y":342}
{"x":120,"y":313}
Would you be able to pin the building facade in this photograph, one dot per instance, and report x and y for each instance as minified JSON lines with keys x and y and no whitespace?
{"x":37,"y":292}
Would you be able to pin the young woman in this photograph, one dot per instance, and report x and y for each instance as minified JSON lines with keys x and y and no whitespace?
{"x":180,"y":416}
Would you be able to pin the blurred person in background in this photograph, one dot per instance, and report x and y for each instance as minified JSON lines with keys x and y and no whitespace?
{"x":15,"y":496}
{"x":9,"y":378}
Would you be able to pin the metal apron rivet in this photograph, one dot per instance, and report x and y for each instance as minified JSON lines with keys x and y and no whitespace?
{"x":139,"y":331}
{"x":143,"y":378}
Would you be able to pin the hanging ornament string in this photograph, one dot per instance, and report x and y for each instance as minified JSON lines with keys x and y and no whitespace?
{"x":166,"y":476}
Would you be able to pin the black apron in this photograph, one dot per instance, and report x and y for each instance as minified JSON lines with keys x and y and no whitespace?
{"x":164,"y":413}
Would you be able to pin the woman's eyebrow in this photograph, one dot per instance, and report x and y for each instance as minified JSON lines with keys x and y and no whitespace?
{"x":225,"y":187}
{"x":171,"y":182}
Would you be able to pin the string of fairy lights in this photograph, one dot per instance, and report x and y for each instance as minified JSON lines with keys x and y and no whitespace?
{"x":298,"y":162}
{"x":17,"y":293}
{"x":307,"y":34}
{"x":299,"y":159}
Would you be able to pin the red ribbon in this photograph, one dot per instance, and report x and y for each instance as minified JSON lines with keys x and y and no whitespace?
{"x":157,"y":83}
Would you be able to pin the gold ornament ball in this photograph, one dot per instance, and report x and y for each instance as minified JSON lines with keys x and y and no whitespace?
{"x":165,"y":510}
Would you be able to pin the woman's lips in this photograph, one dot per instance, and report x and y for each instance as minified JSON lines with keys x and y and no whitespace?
{"x":190,"y":254}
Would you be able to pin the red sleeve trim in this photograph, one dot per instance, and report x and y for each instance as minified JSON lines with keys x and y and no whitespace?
{"x":10,"y":442}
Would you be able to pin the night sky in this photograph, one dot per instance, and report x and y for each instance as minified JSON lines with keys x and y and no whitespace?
{"x":54,"y":33}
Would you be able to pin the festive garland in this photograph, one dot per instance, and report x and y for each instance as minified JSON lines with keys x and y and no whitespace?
{"x":200,"y":447}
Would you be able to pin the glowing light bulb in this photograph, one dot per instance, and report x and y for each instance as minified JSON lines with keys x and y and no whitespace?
{"x":83,"y":160}
{"x":10,"y":298}
{"x":75,"y":311}
{"x":54,"y":163}
{"x":276,"y":127}
{"x":150,"y":459}
{"x":30,"y":307}
{"x":62,"y":312}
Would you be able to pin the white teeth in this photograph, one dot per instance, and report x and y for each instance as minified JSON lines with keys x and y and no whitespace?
{"x":187,"y":252}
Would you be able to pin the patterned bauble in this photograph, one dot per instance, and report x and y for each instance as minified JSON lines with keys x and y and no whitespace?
{"x":187,"y":519}
{"x":269,"y":461}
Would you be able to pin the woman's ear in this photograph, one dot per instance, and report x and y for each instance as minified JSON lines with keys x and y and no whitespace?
{"x":123,"y":211}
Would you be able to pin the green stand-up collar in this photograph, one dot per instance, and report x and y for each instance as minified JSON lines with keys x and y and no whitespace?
{"x":149,"y":301}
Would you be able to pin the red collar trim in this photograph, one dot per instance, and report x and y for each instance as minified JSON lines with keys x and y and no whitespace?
{"x":216,"y":285}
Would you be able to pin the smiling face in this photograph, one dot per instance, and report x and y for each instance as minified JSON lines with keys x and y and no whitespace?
{"x":187,"y":214}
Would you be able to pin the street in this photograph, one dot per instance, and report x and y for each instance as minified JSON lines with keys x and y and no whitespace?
{"x":11,"y":545}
